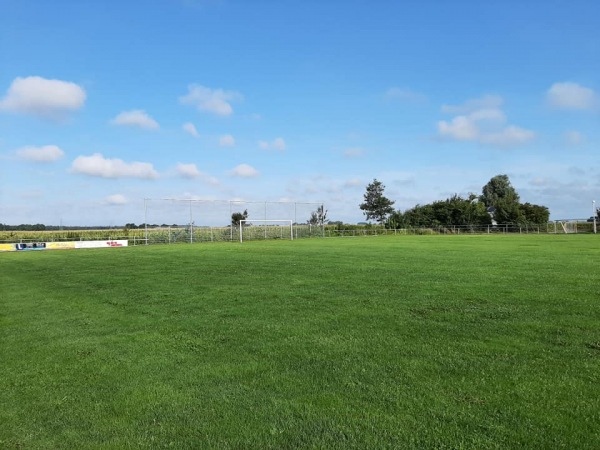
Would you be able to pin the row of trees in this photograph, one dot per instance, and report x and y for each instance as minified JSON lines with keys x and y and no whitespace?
{"x":499,"y":203}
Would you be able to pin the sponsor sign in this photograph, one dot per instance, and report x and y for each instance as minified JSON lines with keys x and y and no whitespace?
{"x":62,"y":245}
{"x":31,"y":246}
{"x":101,"y":244}
{"x":59,"y":245}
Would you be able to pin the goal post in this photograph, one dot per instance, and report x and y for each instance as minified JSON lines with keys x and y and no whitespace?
{"x":280,"y":224}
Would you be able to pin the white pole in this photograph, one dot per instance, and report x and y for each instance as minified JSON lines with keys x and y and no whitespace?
{"x":191,"y":224}
{"x":595,"y":214}
{"x":146,"y":220}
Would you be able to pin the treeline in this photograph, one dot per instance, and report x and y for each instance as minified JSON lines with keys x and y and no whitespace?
{"x":499,"y":203}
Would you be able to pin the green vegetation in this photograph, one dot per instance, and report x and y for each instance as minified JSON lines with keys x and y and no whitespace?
{"x":380,"y":342}
{"x":499,"y":201}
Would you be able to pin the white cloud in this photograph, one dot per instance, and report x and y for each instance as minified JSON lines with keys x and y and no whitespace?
{"x":542,"y":182}
{"x":276,"y":144}
{"x":279,"y":144}
{"x":355,"y":152}
{"x":191,"y":171}
{"x":481,"y":120}
{"x":135,"y":118}
{"x":353,"y":182}
{"x":244,"y":171}
{"x":45,"y":153}
{"x":461,"y":128}
{"x":405,"y":95}
{"x":188,"y":170}
{"x":574,"y":138}
{"x":42,"y":97}
{"x":475,"y":104}
{"x":216,"y":101}
{"x":191,"y":129}
{"x":227,"y":141}
{"x":116,"y":199}
{"x":569,"y":95}
{"x":511,"y":135}
{"x":97,"y":165}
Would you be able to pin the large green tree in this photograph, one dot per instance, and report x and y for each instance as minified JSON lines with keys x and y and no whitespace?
{"x":501,"y":196}
{"x":497,"y":188}
{"x":376,"y":205}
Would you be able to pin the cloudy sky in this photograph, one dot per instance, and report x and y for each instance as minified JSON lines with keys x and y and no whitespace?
{"x":105,"y":103}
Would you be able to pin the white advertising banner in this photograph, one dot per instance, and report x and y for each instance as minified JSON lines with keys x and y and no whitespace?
{"x":101,"y":244}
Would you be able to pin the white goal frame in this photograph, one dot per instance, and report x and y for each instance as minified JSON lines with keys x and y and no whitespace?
{"x":266,"y":221}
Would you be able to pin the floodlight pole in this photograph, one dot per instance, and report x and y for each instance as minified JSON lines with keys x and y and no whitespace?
{"x":146,"y":220}
{"x":595,"y":214}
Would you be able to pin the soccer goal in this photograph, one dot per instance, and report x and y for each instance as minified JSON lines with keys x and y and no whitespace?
{"x":568,"y":226}
{"x":266,"y":229}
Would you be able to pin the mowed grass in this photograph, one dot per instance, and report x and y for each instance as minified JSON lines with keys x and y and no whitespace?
{"x":382,"y":342}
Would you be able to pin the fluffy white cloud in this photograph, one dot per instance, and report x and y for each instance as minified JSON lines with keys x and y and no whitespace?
{"x":244,"y":171}
{"x":481,"y":120}
{"x":461,"y":128}
{"x":191,"y":129}
{"x":276,"y":144}
{"x":191,"y":171}
{"x":569,"y":95}
{"x":227,"y":141}
{"x":116,"y":199}
{"x":216,"y":101}
{"x":45,"y":153}
{"x":43,"y":97}
{"x":97,"y":165}
{"x":188,"y":170}
{"x":135,"y":118}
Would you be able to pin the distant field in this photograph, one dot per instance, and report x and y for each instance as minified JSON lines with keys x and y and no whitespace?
{"x":375,"y":342}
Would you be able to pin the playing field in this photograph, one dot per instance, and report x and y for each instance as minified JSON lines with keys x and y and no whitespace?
{"x":380,"y":342}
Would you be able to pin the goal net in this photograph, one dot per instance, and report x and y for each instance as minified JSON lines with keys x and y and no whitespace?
{"x":266,"y":229}
{"x":568,"y":226}
{"x":171,"y":220}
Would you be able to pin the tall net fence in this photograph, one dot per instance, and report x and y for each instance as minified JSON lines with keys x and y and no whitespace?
{"x":174,"y":220}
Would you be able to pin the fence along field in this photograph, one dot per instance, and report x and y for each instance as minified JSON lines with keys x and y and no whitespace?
{"x":412,"y":342}
{"x":169,"y":234}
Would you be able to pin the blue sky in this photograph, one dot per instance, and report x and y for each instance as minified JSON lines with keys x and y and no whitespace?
{"x":103,"y":104}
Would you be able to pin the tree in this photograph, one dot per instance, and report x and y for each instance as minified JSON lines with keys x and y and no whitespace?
{"x":318,"y":217}
{"x":376,"y":205}
{"x":237,"y":217}
{"x":498,"y":187}
{"x":534,"y":214}
{"x":499,"y":194}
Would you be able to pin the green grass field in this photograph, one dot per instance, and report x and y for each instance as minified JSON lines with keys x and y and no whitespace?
{"x":382,"y":342}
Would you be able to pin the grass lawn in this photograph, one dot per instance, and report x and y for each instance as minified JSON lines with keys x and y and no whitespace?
{"x":382,"y":342}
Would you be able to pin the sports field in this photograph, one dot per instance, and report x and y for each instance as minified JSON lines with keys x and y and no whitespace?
{"x":378,"y":342}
